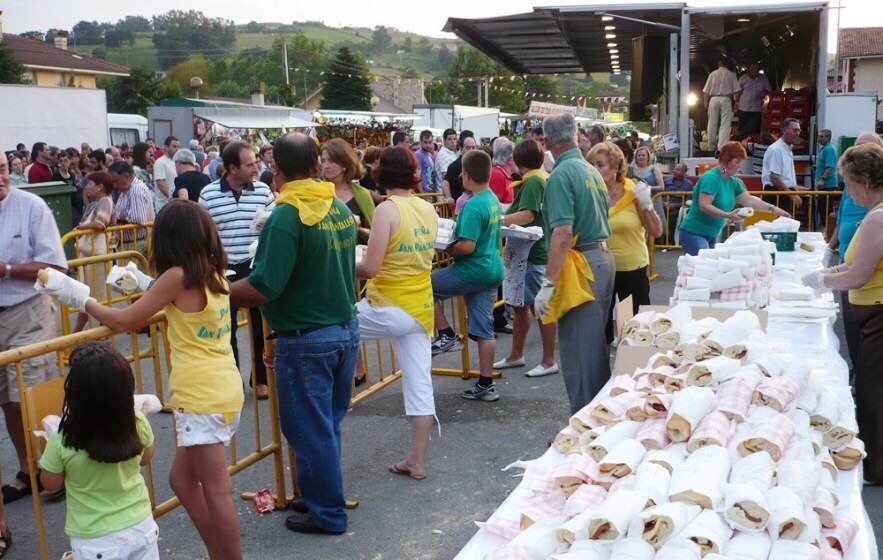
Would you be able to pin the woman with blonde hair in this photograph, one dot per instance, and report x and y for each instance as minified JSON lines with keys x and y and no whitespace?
{"x":631,"y":217}
{"x":862,"y":274}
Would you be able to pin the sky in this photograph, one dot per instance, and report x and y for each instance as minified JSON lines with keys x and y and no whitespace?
{"x":28,"y":15}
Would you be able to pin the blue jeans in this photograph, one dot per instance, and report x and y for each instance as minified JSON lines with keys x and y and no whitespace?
{"x":314,"y":378}
{"x":692,"y":242}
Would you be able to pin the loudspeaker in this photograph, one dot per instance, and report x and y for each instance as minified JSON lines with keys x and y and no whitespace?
{"x":648,"y":73}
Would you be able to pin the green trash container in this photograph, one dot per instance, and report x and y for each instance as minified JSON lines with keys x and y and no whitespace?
{"x":58,"y":197}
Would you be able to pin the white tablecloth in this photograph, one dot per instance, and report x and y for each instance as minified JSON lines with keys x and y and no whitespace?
{"x":815,"y":340}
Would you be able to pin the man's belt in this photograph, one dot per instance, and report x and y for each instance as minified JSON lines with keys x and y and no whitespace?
{"x":591,"y":246}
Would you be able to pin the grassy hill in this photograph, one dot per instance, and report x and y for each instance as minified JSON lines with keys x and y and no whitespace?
{"x":143,"y":53}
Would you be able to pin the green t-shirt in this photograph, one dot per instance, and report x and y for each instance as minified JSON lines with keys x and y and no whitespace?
{"x":724,"y":192}
{"x":576,"y":196}
{"x":529,"y":196}
{"x":101,"y":497}
{"x":480,"y":221}
{"x":308,"y":273}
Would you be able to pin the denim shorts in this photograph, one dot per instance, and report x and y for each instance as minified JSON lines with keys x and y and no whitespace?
{"x":533,"y":281}
{"x":480,"y":300}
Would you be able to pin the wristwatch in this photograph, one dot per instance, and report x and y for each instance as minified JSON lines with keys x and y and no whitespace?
{"x":8,"y":274}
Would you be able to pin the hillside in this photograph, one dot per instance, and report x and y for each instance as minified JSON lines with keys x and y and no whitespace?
{"x":423,"y":55}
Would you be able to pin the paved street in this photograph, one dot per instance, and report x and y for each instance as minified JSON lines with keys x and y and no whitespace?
{"x":397,"y":518}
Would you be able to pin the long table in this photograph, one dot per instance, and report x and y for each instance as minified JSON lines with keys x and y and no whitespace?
{"x":811,"y":339}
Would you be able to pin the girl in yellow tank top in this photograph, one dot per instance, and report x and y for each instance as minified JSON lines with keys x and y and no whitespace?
{"x":398,"y":304}
{"x":205,"y":384}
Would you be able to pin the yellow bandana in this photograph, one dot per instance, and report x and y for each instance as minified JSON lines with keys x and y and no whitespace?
{"x":311,"y":197}
{"x":532,"y":173}
{"x":573,"y":287}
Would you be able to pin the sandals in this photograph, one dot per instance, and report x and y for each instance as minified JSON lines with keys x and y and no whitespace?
{"x":5,"y":541}
{"x":395,"y":469}
{"x":12,"y":494}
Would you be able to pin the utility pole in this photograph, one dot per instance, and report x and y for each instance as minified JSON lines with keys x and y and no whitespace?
{"x":285,"y":60}
{"x":487,"y":93}
{"x":478,"y":100}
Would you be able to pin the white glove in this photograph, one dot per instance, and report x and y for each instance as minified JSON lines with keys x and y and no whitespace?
{"x":643,"y":195}
{"x":68,"y":291}
{"x":129,"y":279}
{"x":260,"y":218}
{"x":541,"y":301}
{"x":253,"y":249}
{"x":829,"y":258}
{"x":815,"y":280}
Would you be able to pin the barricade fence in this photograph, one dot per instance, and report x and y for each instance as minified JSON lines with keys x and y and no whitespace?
{"x":816,"y":211}
{"x":46,"y":398}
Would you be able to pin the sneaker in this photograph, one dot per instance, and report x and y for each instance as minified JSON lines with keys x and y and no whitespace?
{"x":506,"y":364}
{"x":445,"y":343}
{"x":504,"y":329}
{"x":479,"y":393}
{"x":541,"y":371}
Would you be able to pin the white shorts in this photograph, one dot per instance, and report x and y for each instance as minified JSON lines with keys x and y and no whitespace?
{"x":413,"y":352}
{"x":138,"y":542}
{"x":204,"y":429}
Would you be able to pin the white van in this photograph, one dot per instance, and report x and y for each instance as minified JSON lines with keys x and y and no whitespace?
{"x":126,"y":129}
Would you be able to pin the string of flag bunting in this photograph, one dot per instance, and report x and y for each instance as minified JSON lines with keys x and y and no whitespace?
{"x":472,"y":79}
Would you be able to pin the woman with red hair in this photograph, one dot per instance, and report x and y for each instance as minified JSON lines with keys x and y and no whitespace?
{"x":398,"y":302}
{"x":715,"y":198}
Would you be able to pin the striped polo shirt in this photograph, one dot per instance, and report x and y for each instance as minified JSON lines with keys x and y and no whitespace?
{"x":234,"y":216}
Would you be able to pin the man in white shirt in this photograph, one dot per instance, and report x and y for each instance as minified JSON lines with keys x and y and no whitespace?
{"x":446,"y":156}
{"x":778,"y":167}
{"x":720,"y":87}
{"x":754,"y":87}
{"x":164,"y":174}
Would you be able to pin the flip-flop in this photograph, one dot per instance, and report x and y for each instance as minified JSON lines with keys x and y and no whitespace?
{"x":405,"y":472}
{"x":5,"y":542}
{"x":13,"y":494}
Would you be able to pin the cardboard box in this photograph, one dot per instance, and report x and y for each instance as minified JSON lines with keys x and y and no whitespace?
{"x":630,"y":358}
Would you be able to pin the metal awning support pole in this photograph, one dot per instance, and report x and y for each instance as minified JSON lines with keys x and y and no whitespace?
{"x":673,"y":93}
{"x":641,"y":21}
{"x":822,"y":69}
{"x":684,"y":90}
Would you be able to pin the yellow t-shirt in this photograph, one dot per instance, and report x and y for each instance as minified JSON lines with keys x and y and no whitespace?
{"x":204,"y":377}
{"x":628,"y":239}
{"x":872,"y":292}
{"x":404,"y":279}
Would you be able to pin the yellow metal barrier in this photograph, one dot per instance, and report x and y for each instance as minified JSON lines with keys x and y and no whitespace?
{"x":125,"y":237}
{"x":62,"y":345}
{"x":815,"y":213}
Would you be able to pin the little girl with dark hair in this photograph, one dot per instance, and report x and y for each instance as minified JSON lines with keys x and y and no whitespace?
{"x":97,"y":455}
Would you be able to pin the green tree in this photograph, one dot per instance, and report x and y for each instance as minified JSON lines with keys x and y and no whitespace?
{"x":444,"y":57}
{"x":347,"y":83}
{"x":87,"y":33}
{"x":409,"y":73}
{"x":170,"y":90}
{"x":100,"y":52}
{"x":381,"y":40}
{"x":135,"y":24}
{"x":178,"y":32}
{"x":11,"y":71}
{"x":133,"y":93}
{"x":229,"y":88}
{"x":181,"y":73}
{"x":408,"y":44}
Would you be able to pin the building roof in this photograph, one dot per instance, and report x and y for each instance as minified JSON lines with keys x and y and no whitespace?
{"x":860,"y":41}
{"x":38,"y":55}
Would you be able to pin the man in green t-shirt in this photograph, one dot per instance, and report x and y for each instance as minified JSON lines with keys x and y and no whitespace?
{"x":304,"y":281}
{"x":575,"y":205}
{"x":476,"y":273}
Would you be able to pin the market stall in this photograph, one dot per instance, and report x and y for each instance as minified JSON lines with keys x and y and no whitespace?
{"x":717,"y":439}
{"x":354,"y":126}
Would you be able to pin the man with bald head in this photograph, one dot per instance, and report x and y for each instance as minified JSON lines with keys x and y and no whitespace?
{"x":849,"y":216}
{"x":304,"y":279}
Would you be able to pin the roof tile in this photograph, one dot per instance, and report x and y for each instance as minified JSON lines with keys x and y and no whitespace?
{"x":36,"y":53}
{"x":860,"y":41}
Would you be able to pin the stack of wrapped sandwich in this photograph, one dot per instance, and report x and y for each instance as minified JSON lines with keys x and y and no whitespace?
{"x":445,"y":234}
{"x":721,"y":447}
{"x":735,"y":274}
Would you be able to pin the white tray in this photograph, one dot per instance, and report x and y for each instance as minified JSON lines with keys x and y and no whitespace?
{"x":520,"y":233}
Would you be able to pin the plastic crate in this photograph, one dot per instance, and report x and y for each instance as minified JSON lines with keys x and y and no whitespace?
{"x":784,"y":240}
{"x":797,"y":111}
{"x":777,"y":97}
{"x":776,"y":111}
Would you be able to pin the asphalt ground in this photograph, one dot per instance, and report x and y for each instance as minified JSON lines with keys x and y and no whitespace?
{"x":397,"y":518}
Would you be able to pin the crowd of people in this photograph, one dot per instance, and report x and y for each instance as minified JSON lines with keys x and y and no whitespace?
{"x":307,"y":207}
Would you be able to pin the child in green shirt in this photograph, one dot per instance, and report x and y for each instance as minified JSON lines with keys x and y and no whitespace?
{"x":97,"y":455}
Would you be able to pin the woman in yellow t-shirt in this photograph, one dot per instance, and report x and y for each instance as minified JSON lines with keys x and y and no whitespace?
{"x":398,"y":303}
{"x":205,"y":385}
{"x":862,"y":274}
{"x":632,"y":217}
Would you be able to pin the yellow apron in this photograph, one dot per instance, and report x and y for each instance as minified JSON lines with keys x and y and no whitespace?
{"x":572,"y":287}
